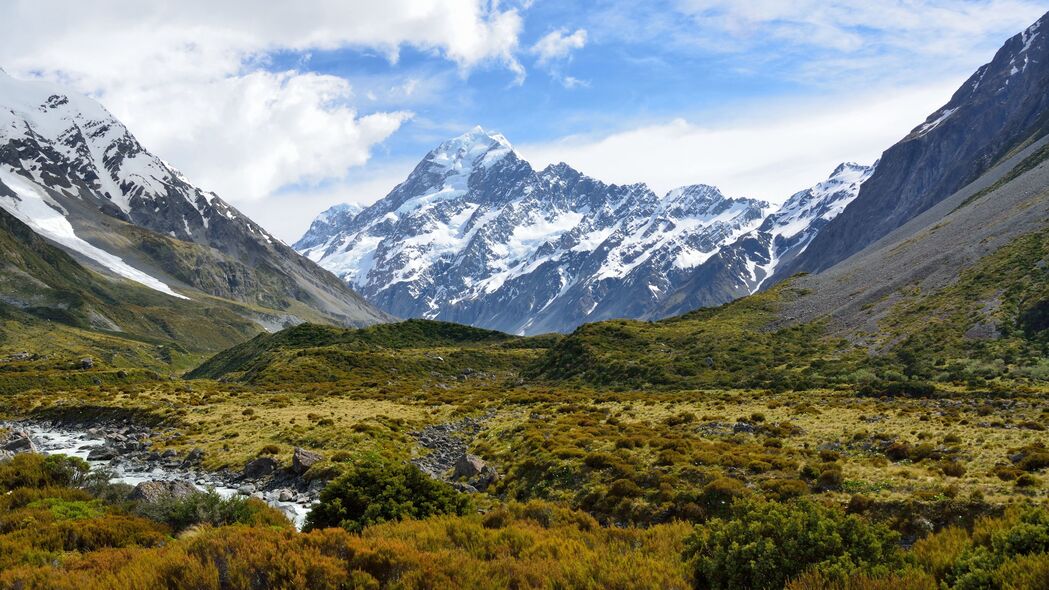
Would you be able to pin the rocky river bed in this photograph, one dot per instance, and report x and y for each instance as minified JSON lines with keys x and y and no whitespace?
{"x":125,"y":451}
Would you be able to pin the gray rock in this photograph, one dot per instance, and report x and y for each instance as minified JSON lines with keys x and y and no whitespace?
{"x":286,"y":496}
{"x":302,"y":460}
{"x":156,"y":490}
{"x":744,"y":428}
{"x":17,"y":442}
{"x":468,"y":466}
{"x":194,"y":457}
{"x":485,"y":479}
{"x":104,"y":453}
{"x":87,"y":363}
{"x":246,"y":489}
{"x":260,"y":467}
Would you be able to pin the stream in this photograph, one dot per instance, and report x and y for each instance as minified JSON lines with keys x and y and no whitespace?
{"x":53,"y":440}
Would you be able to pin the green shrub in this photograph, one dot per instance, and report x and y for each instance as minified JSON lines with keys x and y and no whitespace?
{"x":375,"y":491}
{"x":1002,"y":549}
{"x":30,"y":470}
{"x":211,"y":509}
{"x":766,"y":544}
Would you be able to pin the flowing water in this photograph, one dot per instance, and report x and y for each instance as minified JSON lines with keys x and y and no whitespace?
{"x":79,"y":443}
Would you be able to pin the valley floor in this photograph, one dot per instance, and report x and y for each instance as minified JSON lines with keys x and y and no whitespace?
{"x":594,"y":489}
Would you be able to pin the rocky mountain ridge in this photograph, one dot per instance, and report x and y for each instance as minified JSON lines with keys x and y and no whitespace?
{"x":476,"y":235}
{"x":77,"y":176}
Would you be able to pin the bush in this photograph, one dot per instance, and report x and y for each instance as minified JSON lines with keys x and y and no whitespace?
{"x":211,"y":509}
{"x":30,"y":470}
{"x":718,"y":495}
{"x":766,"y":544}
{"x":374,"y":492}
{"x":952,"y":469}
{"x":1005,"y":550}
{"x":895,"y":388}
{"x":831,"y":479}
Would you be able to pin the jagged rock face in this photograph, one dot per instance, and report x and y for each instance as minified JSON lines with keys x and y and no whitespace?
{"x":68,"y":169}
{"x":746,"y":265}
{"x":1000,"y":108}
{"x":476,"y":235}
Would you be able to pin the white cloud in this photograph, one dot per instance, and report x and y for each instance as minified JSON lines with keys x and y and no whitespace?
{"x":934,"y":26}
{"x":187,"y":76}
{"x":288,"y":213}
{"x":558,"y":44}
{"x":761,"y":151}
{"x":827,"y":42}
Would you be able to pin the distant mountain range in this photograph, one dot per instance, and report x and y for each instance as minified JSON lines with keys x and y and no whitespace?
{"x":78,"y":178}
{"x":476,"y":235}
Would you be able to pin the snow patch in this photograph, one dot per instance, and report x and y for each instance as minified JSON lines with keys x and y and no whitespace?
{"x":33,"y":207}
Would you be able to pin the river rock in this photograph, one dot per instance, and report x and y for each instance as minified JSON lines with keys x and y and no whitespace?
{"x":302,"y":460}
{"x":104,"y":453}
{"x":194,"y":457}
{"x":246,"y":489}
{"x":260,"y":467}
{"x":17,"y":441}
{"x":156,"y":490}
{"x":286,"y":496}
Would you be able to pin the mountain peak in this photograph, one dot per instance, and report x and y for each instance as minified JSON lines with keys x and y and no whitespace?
{"x":474,"y":142}
{"x":848,"y":167}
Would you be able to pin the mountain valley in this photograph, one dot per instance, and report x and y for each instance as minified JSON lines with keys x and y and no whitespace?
{"x":498,"y":376}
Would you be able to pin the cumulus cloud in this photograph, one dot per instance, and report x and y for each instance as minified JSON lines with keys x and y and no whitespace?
{"x":192,"y":78}
{"x":759,"y":151}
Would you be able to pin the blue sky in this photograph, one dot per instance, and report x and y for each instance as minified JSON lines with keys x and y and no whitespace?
{"x":287,"y":109}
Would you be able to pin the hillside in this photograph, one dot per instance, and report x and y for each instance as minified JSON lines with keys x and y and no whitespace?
{"x":76,"y":176}
{"x":1002,"y":108}
{"x":956,"y":295}
{"x":410,"y":350}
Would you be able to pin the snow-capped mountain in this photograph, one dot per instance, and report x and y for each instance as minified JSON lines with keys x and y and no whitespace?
{"x":746,"y":265}
{"x":476,"y":235}
{"x":77,"y":176}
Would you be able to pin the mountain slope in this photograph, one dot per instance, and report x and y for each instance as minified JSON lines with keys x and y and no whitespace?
{"x":1000,"y":109}
{"x":53,"y":306}
{"x":476,"y":235}
{"x":77,"y":176}
{"x":959,"y":294}
{"x":746,"y":265}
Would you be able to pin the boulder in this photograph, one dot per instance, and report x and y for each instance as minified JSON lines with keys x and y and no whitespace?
{"x":468,"y":466}
{"x":194,"y":457}
{"x":87,"y":363}
{"x":104,"y":453}
{"x":302,"y":460}
{"x":286,"y":496}
{"x":246,"y":489}
{"x":486,"y":478}
{"x":744,"y":427}
{"x":17,"y":442}
{"x":260,"y":467}
{"x":156,"y":490}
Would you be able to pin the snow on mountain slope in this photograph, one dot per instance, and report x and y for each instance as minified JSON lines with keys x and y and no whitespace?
{"x":745,"y":266}
{"x":31,"y":205}
{"x":476,"y":235}
{"x":999,"y":109}
{"x":58,"y":137}
{"x":87,"y":166}
{"x":800,"y":218}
